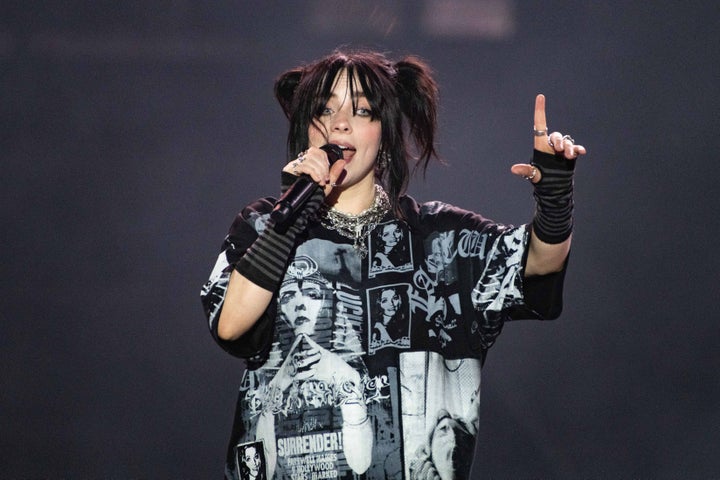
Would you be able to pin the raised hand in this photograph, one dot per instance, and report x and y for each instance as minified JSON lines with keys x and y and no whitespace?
{"x":554,"y":143}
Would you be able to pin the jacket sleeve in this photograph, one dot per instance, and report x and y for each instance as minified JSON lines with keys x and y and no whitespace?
{"x":254,"y":344}
{"x":542,"y":297}
{"x":502,"y":292}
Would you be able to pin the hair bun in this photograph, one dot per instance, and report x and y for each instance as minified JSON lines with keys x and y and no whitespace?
{"x":285,"y":87}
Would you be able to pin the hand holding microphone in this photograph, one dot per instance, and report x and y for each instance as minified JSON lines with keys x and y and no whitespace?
{"x":264,"y":262}
{"x":303,"y":188}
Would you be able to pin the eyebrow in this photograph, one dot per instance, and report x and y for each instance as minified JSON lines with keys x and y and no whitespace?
{"x":356,"y":95}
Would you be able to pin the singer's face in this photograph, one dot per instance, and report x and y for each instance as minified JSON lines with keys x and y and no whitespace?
{"x":355,"y":130}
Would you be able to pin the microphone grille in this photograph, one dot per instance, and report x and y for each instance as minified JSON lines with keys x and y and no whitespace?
{"x":334,"y":152}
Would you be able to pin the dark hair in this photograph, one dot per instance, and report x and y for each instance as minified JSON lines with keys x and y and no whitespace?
{"x":402,"y":95}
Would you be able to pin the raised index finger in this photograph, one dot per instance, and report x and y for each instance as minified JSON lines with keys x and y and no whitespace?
{"x":540,"y":123}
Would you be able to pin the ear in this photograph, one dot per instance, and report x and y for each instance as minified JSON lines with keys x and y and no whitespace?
{"x":285,"y":87}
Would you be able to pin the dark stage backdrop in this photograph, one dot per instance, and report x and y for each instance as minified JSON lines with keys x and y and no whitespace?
{"x":132,"y":133}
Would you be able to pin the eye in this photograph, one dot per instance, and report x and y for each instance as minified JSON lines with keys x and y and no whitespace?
{"x":363,"y":112}
{"x":286,"y":297}
{"x":313,"y":294}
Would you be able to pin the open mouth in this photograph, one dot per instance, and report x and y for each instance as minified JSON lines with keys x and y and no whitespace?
{"x":348,"y":152}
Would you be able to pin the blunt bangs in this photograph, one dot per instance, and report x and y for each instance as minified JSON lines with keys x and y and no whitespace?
{"x":364,"y":71}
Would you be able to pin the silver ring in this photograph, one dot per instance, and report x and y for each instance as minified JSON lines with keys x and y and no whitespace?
{"x":301,"y":157}
{"x":539,"y":133}
{"x":534,"y":172}
{"x":294,"y":166}
{"x":568,"y":138}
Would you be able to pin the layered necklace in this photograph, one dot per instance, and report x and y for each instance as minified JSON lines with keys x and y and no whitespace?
{"x":358,"y":227}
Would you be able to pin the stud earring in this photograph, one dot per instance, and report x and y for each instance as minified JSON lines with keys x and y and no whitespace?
{"x":383,"y":160}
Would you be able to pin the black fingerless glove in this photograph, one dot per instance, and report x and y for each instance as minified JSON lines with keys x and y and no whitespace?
{"x":265,"y":261}
{"x":553,"y":220}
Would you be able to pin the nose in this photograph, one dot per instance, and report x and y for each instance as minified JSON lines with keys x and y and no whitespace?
{"x":341,"y":121}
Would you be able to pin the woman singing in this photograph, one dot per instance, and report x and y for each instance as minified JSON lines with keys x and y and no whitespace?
{"x":326,"y":404}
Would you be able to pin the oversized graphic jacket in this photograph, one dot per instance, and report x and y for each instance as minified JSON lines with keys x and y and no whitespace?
{"x":369,"y":366}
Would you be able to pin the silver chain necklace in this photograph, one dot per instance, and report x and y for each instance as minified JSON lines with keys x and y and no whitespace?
{"x":358,"y":227}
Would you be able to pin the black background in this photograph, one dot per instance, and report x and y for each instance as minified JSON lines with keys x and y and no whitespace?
{"x":132,"y":132}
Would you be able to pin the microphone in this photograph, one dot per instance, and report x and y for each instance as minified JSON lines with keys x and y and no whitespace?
{"x":300,"y":191}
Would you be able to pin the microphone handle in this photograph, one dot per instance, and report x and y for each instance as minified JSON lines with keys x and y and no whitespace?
{"x":294,"y":197}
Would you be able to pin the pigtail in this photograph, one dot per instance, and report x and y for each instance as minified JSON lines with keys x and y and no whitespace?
{"x":285,"y":87}
{"x":418,"y":97}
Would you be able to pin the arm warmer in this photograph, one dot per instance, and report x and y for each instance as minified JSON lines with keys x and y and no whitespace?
{"x":553,"y":222}
{"x":265,"y":261}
